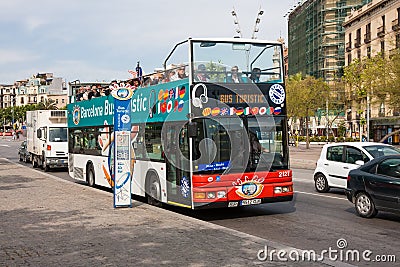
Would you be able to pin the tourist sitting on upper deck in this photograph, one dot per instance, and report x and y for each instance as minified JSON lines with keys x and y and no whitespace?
{"x":234,"y":76}
{"x":201,"y":75}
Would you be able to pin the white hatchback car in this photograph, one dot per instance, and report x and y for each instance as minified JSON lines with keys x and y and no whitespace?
{"x":337,"y":159}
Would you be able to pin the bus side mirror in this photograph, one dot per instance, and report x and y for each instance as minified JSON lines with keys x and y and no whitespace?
{"x":39,"y":133}
{"x":192,"y":129}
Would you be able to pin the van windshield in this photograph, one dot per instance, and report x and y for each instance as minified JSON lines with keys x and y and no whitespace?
{"x":58,"y":134}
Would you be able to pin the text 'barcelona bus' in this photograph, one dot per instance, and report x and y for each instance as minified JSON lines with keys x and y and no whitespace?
{"x":210,"y":130}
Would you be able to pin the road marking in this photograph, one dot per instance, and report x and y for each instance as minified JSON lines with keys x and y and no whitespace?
{"x":320,"y":195}
{"x":303,"y":180}
{"x":5,"y":145}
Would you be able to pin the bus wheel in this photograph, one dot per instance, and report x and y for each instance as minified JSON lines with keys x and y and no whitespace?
{"x":90,"y":175}
{"x":153,"y":190}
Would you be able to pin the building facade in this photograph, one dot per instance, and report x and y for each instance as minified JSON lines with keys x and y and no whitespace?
{"x":38,"y":88}
{"x":316,"y":37}
{"x":7,"y":96}
{"x":374,"y":28}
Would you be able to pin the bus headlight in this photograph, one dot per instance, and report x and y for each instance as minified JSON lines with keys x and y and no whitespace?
{"x":285,"y":189}
{"x":210,"y":194}
{"x":282,"y":189}
{"x":221,"y":194}
{"x":278,"y":190}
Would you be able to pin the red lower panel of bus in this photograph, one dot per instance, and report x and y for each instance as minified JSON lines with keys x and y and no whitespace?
{"x":243,"y":188}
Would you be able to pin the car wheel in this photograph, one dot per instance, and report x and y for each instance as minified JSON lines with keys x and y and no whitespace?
{"x":90,"y":176}
{"x":153,"y":191}
{"x":321,"y":184}
{"x":365,"y":207}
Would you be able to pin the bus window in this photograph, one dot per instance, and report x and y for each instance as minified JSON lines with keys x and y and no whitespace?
{"x":153,"y":141}
{"x":138,"y":143}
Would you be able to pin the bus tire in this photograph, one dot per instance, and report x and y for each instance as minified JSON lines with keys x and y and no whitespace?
{"x":90,"y":176}
{"x":153,"y":190}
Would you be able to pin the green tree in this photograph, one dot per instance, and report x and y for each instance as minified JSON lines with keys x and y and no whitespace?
{"x":373,"y":81}
{"x":335,"y":101}
{"x":304,"y":96}
{"x":393,"y":84}
{"x":216,"y":71}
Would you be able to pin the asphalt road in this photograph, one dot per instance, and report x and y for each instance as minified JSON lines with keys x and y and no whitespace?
{"x":312,"y":221}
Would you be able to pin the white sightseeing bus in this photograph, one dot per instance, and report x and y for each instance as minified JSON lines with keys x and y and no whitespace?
{"x":209,"y":130}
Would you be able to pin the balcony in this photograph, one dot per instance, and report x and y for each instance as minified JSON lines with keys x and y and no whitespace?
{"x":395,"y":25}
{"x":367,"y":38}
{"x":348,"y":46}
{"x":381,"y":31}
{"x":357,"y":42}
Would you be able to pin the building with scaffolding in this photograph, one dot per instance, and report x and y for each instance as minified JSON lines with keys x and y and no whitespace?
{"x":317,"y":39}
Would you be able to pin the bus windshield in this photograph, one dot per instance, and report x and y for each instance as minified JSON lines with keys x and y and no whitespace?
{"x":240,"y":144}
{"x":253,"y":62}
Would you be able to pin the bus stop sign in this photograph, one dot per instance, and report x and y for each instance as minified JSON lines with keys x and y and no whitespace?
{"x":122,"y":145}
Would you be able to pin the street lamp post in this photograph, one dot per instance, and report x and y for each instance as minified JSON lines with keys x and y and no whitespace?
{"x":4,"y":126}
{"x":236,"y":22}
{"x":12,"y":111}
{"x":256,"y":25}
{"x":327,"y":121}
{"x":258,"y":20}
{"x":367,"y":117}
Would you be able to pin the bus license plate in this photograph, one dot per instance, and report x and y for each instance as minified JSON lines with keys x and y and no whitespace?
{"x":246,"y":202}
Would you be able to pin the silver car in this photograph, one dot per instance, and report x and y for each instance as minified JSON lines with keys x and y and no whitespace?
{"x":338,"y":159}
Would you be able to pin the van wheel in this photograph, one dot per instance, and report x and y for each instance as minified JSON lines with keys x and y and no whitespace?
{"x":153,"y":190}
{"x":90,"y":176}
{"x":365,"y":207}
{"x":34,"y":162}
{"x":321,"y":184}
{"x":44,"y":164}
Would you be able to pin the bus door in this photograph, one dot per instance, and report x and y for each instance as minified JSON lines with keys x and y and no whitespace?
{"x":176,"y":148}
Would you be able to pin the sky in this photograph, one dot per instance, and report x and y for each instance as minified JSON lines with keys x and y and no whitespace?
{"x":100,"y":40}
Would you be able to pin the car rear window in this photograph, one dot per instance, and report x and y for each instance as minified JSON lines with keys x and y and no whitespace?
{"x":335,"y":153}
{"x":378,"y":151}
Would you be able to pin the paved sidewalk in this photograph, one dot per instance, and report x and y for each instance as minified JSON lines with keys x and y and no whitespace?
{"x":47,"y":221}
{"x":303,"y":158}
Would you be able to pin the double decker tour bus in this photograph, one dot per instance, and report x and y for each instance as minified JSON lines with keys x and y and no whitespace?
{"x":208,"y":130}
